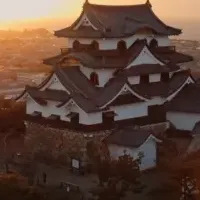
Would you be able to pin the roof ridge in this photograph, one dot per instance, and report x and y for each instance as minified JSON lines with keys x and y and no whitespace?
{"x":117,"y":6}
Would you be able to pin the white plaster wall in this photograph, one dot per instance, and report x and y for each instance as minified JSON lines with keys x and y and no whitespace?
{"x":111,"y":43}
{"x":130,"y":111}
{"x":54,"y":84}
{"x":148,"y":149}
{"x":50,"y":108}
{"x":135,"y":110}
{"x":162,"y":40}
{"x":183,"y":121}
{"x":145,"y":57}
{"x":134,"y":80}
{"x":123,"y":112}
{"x":91,"y":118}
{"x":154,"y":78}
{"x":104,"y":74}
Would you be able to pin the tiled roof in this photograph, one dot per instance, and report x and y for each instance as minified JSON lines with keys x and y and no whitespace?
{"x":81,"y":90}
{"x":171,"y":56}
{"x":53,"y":60}
{"x":102,"y":58}
{"x":125,"y":99}
{"x":128,"y":137}
{"x":163,"y":89}
{"x":150,"y":69}
{"x":196,"y":129}
{"x":91,"y":99}
{"x":187,"y":100}
{"x":97,"y":62}
{"x":117,"y":21}
{"x":117,"y":59}
{"x":48,"y":94}
{"x":111,"y":89}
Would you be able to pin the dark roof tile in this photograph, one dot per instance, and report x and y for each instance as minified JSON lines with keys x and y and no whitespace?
{"x":171,"y":56}
{"x":128,"y":137}
{"x":163,"y":89}
{"x":187,"y":100}
{"x":117,"y":59}
{"x":150,"y":69}
{"x":196,"y":129}
{"x":118,"y":21}
{"x":48,"y":94}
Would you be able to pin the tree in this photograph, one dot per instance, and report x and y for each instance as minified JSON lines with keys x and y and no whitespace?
{"x":15,"y":186}
{"x":117,"y":177}
{"x":180,"y":175}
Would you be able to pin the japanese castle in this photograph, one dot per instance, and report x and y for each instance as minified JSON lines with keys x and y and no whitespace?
{"x":118,"y":69}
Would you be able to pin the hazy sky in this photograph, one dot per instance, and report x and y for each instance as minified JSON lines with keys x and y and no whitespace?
{"x":15,"y":10}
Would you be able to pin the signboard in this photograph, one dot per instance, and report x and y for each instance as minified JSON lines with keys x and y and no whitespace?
{"x":75,"y":163}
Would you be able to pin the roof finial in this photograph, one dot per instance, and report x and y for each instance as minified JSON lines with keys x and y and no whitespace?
{"x":86,"y":1}
{"x":148,"y":3}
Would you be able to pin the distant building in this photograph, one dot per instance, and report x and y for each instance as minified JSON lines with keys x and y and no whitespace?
{"x":118,"y":69}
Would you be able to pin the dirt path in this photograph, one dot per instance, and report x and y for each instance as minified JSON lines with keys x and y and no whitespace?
{"x":57,"y":175}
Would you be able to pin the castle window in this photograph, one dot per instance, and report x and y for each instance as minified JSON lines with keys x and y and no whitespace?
{"x":144,"y":79}
{"x":153,"y":43}
{"x":94,"y":78}
{"x":165,"y":77}
{"x":121,"y":45}
{"x":76,"y":45}
{"x":95,"y":45}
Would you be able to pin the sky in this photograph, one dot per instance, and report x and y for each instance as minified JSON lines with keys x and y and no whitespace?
{"x":15,"y":11}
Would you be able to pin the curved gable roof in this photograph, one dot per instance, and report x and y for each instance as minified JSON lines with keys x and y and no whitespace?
{"x":187,"y":100}
{"x":119,"y":21}
{"x":163,"y":89}
{"x":128,"y":137}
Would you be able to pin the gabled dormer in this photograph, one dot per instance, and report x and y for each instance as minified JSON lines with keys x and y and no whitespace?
{"x":83,"y":22}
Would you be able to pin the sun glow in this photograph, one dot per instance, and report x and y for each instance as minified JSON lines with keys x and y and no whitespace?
{"x":14,"y":10}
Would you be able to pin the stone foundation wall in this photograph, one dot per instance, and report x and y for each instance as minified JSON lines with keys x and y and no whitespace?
{"x":57,"y":144}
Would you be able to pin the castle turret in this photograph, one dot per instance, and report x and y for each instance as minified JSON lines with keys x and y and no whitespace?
{"x":118,"y":68}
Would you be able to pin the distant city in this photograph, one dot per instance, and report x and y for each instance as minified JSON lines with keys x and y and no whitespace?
{"x":23,"y":51}
{"x":191,"y":28}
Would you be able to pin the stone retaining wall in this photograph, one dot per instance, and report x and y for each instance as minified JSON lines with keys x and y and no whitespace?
{"x":58,"y":144}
